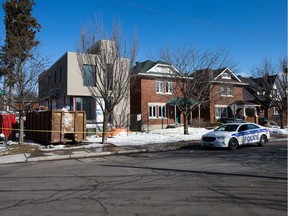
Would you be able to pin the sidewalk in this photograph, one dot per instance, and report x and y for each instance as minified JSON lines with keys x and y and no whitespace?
{"x":106,"y":150}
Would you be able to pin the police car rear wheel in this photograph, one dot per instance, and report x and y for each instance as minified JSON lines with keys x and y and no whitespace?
{"x":233,"y":144}
{"x":263,"y":140}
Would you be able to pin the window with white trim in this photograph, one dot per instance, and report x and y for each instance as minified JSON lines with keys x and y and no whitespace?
{"x":162,"y":112}
{"x":157,"y":111}
{"x":164,"y":87}
{"x":169,"y":87}
{"x":221,"y":112}
{"x":152,"y":111}
{"x":226,"y":90}
{"x":226,"y":76}
{"x":159,"y":87}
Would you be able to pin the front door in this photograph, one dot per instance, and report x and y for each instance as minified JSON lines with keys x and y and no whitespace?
{"x":177,"y":115}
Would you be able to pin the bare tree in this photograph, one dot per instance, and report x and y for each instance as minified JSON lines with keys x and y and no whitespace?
{"x":192,"y":84}
{"x":25,"y":86}
{"x":105,"y":61}
{"x":272,"y":80}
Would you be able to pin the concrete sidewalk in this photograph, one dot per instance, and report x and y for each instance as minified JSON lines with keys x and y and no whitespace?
{"x":106,"y":150}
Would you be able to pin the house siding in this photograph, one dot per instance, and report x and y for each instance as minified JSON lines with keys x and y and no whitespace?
{"x":143,"y":94}
{"x":56,"y":94}
{"x":217,"y":99}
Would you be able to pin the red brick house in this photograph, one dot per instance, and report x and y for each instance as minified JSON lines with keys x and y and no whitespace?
{"x":226,"y":98}
{"x":151,"y":89}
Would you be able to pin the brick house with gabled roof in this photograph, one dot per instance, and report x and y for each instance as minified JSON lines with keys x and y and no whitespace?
{"x":226,"y":98}
{"x":151,"y":88}
{"x":150,"y":96}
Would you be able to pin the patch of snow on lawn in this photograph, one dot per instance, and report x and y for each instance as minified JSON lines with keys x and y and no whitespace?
{"x":155,"y":136}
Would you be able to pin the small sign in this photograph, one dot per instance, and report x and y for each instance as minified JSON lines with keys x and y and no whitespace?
{"x":234,"y":108}
{"x":2,"y":92}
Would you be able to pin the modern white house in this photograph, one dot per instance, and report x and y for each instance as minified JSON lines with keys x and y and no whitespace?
{"x":64,"y":86}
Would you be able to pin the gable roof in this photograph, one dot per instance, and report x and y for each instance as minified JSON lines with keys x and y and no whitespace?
{"x":217,"y":73}
{"x":255,"y":87}
{"x":153,"y":68}
{"x":268,"y":80}
{"x":215,"y":76}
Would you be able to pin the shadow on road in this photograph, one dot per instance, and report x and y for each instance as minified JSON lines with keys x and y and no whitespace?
{"x":198,"y":172}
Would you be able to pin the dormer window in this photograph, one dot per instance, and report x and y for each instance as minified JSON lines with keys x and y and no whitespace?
{"x":226,"y":76}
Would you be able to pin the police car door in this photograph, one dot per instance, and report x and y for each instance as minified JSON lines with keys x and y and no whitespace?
{"x":253,"y":132}
{"x":242,"y":134}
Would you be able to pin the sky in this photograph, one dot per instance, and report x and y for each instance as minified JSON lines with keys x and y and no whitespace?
{"x":250,"y":30}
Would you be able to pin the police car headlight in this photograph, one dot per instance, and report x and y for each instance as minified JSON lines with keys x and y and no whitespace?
{"x":220,"y":138}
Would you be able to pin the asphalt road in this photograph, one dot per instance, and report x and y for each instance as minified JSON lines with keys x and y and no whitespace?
{"x":194,"y":181}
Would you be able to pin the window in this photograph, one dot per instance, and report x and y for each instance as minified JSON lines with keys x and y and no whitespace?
{"x":89,"y":75}
{"x":226,"y":76}
{"x":78,"y":101}
{"x":162,"y":111}
{"x":221,"y":112}
{"x":226,"y":90}
{"x":152,"y":111}
{"x":275,"y":111}
{"x":252,"y":126}
{"x":89,"y":105}
{"x":169,"y":87}
{"x":242,"y":128}
{"x":159,"y":87}
{"x":157,"y":111}
{"x":164,"y":87}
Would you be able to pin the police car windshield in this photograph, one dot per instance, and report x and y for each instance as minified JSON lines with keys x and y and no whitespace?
{"x":230,"y":127}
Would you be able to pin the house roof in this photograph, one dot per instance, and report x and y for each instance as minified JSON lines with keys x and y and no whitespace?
{"x":267,"y":80}
{"x":216,"y":75}
{"x":149,"y":67}
{"x":257,"y":89}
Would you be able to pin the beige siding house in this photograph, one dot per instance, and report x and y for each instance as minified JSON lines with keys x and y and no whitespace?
{"x":63,"y":86}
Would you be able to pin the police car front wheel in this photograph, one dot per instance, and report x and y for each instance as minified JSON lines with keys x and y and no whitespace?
{"x":233,"y":144}
{"x":263,"y":140}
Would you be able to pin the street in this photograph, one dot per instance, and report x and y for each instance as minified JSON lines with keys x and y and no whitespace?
{"x":250,"y":180}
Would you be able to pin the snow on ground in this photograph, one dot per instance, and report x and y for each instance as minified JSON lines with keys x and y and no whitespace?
{"x":277,"y":130}
{"x":155,"y":136}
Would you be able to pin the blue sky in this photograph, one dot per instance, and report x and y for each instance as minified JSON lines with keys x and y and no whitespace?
{"x":249,"y":29}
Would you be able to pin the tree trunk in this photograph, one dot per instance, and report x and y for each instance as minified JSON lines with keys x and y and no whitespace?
{"x":21,"y":129}
{"x":186,"y":114}
{"x":282,"y":114}
{"x":11,"y":98}
{"x":105,"y":127}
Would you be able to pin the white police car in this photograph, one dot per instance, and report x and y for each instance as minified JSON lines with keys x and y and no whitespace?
{"x":232,"y":135}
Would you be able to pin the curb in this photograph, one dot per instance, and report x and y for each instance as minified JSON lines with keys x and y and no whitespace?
{"x":81,"y":155}
{"x":23,"y":158}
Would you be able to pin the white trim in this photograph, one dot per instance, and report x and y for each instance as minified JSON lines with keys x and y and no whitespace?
{"x":235,"y":83}
{"x":236,"y":77}
{"x":159,"y":68}
{"x":221,"y":106}
{"x":156,"y":104}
